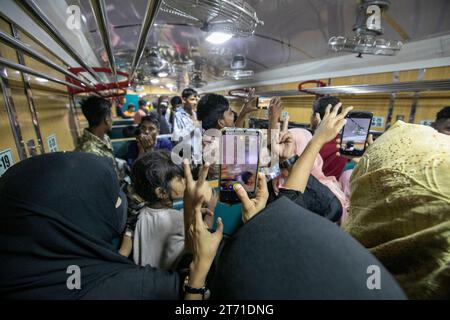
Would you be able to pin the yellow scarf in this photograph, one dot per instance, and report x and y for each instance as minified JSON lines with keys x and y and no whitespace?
{"x":400,"y":207}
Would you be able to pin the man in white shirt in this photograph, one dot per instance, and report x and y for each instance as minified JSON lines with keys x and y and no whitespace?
{"x":185,"y":118}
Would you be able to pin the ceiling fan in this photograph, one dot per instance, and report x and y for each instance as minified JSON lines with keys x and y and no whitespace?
{"x":367,"y":30}
{"x":221,"y":19}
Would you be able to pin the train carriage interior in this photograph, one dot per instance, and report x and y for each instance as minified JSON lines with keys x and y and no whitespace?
{"x":225,"y":149}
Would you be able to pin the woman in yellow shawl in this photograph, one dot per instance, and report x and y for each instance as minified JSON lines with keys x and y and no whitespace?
{"x":400,"y":207}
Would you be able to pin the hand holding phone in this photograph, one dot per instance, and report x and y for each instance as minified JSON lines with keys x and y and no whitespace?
{"x":239,"y":162}
{"x":355,"y":133}
{"x":251,"y":207}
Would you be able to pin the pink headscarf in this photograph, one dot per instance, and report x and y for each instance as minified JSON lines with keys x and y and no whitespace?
{"x":302,"y":138}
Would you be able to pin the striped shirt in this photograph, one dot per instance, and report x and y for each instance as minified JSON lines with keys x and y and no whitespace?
{"x":183,"y":125}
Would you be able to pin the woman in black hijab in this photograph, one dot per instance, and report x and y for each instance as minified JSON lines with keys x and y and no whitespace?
{"x":60,"y":213}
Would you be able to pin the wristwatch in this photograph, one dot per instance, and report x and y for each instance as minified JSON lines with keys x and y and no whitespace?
{"x":204,"y":291}
{"x":286,"y":164}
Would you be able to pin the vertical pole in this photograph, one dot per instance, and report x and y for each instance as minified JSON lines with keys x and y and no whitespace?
{"x":12,"y":114}
{"x":395,"y":78}
{"x":28,"y":93}
{"x":415,"y":102}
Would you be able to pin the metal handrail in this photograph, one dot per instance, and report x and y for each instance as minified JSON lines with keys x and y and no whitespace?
{"x":36,"y":13}
{"x":33,"y":72}
{"x":150,"y":15}
{"x":19,"y":45}
{"x":101,"y":18}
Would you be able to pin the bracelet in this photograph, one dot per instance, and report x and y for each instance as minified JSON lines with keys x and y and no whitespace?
{"x":286,"y":164}
{"x":129,"y":233}
{"x":204,"y":291}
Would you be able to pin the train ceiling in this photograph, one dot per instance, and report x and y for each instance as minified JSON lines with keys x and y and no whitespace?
{"x":287,"y":32}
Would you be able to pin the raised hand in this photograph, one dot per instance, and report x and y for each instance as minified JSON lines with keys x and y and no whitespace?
{"x":331,"y":124}
{"x":251,"y":207}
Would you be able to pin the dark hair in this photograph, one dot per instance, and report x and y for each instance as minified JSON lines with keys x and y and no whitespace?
{"x":246,"y":176}
{"x":235,"y":115}
{"x":320,"y":105}
{"x":154,"y":170}
{"x":96,"y":110}
{"x":142,"y":103}
{"x":176,"y":101}
{"x":188,"y":92}
{"x":151,"y":118}
{"x":444,"y":114}
{"x":210,"y":109}
{"x":131,"y":106}
{"x":161,"y":99}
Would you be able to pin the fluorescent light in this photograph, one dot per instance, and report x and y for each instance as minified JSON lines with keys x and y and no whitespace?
{"x":170,"y":85}
{"x":154,"y":81}
{"x":218,"y":37}
{"x":163,"y":74}
{"x":41,"y":80}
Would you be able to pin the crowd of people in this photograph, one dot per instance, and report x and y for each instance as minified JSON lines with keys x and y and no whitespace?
{"x":144,"y":227}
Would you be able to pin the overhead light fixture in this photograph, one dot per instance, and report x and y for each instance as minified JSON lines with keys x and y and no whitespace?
{"x":367,"y":29}
{"x":163,"y":74}
{"x":41,"y":80}
{"x":170,"y":86}
{"x":154,"y":81}
{"x":217,"y":37}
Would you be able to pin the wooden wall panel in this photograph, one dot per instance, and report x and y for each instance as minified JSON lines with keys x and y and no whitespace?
{"x":24,"y":117}
{"x":53,"y":113}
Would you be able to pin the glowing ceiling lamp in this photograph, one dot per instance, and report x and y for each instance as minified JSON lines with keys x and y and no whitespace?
{"x":218,"y":37}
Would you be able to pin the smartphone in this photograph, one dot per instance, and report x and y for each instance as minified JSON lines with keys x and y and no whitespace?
{"x":239,"y":163}
{"x":355,"y":132}
{"x":262,"y":103}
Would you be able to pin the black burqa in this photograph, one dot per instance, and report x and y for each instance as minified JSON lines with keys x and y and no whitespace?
{"x":59,"y":210}
{"x":288,"y":252}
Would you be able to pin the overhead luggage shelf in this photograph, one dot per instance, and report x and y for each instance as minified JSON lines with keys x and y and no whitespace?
{"x":413,"y":86}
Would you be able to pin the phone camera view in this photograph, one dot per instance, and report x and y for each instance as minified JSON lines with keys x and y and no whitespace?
{"x":239,"y":162}
{"x":355,"y":134}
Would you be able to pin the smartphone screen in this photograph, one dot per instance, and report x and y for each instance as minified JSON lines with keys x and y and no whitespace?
{"x":355,"y":132}
{"x":239,"y":162}
{"x":263,"y":103}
